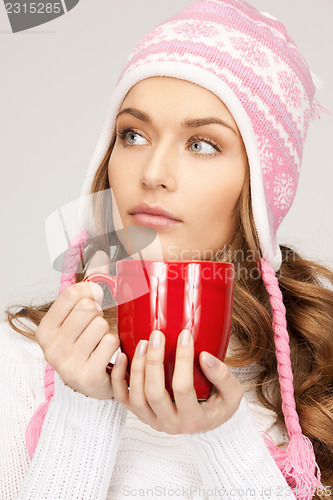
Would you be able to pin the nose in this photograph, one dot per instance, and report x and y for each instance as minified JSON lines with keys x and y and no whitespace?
{"x":159,"y":170}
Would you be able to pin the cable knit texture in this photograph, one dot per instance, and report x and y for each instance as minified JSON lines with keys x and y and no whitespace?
{"x":89,"y":450}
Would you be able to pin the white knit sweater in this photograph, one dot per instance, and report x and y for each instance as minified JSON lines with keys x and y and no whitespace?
{"x":96,"y":449}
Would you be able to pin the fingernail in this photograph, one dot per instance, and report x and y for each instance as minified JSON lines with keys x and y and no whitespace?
{"x":209,"y":359}
{"x":118,"y":359}
{"x":141,"y":348}
{"x":184,"y":337}
{"x":155,"y":339}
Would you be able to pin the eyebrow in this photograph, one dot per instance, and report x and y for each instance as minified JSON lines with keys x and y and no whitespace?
{"x":191,"y":123}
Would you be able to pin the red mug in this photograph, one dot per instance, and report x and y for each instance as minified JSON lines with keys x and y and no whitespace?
{"x":172,"y":295}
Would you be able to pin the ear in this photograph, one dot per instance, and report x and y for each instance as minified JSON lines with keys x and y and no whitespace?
{"x":100,"y":263}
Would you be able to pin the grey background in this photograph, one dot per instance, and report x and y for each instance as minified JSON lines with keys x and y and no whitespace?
{"x":55,"y":86}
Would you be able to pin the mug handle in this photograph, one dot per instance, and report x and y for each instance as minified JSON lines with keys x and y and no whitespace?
{"x":111,"y":282}
{"x":107,"y":279}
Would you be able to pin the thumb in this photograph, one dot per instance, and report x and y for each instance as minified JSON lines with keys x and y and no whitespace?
{"x":100,"y":263}
{"x":222,"y":378}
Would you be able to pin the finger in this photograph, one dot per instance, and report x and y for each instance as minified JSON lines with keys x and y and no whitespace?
{"x":91,"y":336}
{"x":104,"y":350}
{"x":182,"y":381}
{"x":155,"y":391}
{"x":227,"y":386}
{"x":137,"y":377}
{"x":78,"y":320}
{"x":137,"y":395}
{"x":100,"y":263}
{"x":118,"y":379}
{"x":67,"y":300}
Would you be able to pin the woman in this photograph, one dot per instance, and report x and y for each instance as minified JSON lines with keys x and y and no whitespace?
{"x":229,"y":185}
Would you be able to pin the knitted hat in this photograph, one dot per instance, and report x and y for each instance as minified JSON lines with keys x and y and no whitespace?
{"x":248,"y":60}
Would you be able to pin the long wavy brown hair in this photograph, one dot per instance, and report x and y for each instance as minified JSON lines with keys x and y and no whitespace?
{"x":307,"y":295}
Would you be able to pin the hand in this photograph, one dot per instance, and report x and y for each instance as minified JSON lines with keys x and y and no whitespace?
{"x":76,"y":339}
{"x":149,"y":400}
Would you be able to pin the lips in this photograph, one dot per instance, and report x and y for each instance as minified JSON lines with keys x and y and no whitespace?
{"x":154,"y":210}
{"x":153,"y":216}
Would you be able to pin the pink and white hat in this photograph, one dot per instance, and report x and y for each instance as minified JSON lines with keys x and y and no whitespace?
{"x":248,"y":60}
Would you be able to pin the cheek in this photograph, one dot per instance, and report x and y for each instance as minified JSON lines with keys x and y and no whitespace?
{"x":118,"y":179}
{"x":213,"y":211}
{"x":214,"y":201}
{"x":113,"y":172}
{"x":121,"y":171}
{"x":230,"y":187}
{"x":118,"y":191}
{"x":228,"y":199}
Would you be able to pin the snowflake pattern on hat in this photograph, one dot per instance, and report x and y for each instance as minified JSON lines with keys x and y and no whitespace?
{"x":283,"y":190}
{"x":251,"y":50}
{"x":291,"y":89}
{"x":196,"y":29}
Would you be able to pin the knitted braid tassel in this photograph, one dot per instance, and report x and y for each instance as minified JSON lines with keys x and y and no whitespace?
{"x":72,"y":259}
{"x":297,"y":461}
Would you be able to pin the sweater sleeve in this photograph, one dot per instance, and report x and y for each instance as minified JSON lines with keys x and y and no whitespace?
{"x":80,"y":435}
{"x":234,"y":461}
{"x":76,"y":452}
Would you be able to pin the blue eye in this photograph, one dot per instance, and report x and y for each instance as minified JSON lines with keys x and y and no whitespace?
{"x":201,"y":148}
{"x":128,"y":132}
{"x":128,"y":135}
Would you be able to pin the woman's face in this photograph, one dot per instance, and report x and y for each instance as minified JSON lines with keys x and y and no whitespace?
{"x":166,"y":157}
